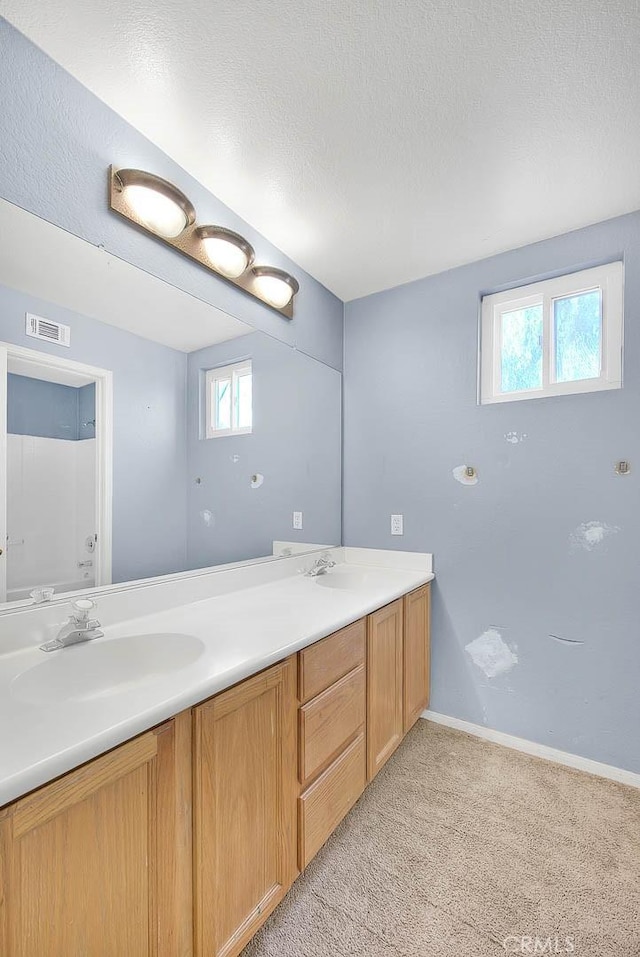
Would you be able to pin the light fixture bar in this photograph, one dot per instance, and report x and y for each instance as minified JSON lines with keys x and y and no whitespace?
{"x":171,"y":218}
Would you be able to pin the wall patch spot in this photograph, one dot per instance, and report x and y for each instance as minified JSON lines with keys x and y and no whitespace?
{"x":234,"y":458}
{"x":591,"y":534}
{"x":207,"y":517}
{"x":491,"y":653}
{"x":514,"y":437}
{"x":460,"y":475}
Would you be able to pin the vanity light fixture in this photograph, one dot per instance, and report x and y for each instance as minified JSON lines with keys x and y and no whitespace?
{"x":229,"y":252}
{"x":155,"y":203}
{"x":160,"y":208}
{"x":274,"y":285}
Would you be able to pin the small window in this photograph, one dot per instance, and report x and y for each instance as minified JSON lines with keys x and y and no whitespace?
{"x":229,"y":400}
{"x":553,"y":338}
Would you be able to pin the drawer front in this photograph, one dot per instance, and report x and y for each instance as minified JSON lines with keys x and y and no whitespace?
{"x":329,"y":721}
{"x":327,"y":801}
{"x":322,"y":664}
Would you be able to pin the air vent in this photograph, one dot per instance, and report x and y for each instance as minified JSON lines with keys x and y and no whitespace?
{"x":39,"y":328}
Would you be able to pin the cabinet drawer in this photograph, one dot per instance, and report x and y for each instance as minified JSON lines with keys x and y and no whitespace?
{"x":327,"y":801}
{"x":328,"y":722}
{"x":324,"y":663}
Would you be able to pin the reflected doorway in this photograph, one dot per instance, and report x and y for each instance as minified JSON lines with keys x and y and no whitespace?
{"x":55,"y":499}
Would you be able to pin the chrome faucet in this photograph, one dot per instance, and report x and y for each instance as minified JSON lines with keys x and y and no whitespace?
{"x":320,"y":567}
{"x":78,"y":627}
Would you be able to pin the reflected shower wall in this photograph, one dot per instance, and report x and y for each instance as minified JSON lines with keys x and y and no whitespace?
{"x":51,"y":486}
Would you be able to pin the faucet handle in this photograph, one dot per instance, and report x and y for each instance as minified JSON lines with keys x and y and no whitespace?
{"x":81,"y":608}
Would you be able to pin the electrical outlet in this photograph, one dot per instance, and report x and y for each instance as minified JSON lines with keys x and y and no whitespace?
{"x":397,"y":525}
{"x":297,"y":520}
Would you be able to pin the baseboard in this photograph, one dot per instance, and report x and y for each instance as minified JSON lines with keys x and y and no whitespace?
{"x":537,"y":750}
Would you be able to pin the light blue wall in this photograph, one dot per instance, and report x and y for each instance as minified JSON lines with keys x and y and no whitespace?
{"x":87,"y":411}
{"x":50,"y":409}
{"x":35,"y":407}
{"x":507,"y":551}
{"x":295,"y":444}
{"x":158,"y":510}
{"x":149,"y":450}
{"x":57,"y":141}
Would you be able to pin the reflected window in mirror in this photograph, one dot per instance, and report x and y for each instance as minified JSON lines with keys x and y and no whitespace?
{"x":229,"y":400}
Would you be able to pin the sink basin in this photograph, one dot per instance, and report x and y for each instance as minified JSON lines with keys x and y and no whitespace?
{"x":346,"y":578}
{"x":100,"y":668}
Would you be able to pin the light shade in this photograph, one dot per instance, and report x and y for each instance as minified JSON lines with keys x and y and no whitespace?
{"x":156,"y":204}
{"x":273,"y":285}
{"x":228,"y":252}
{"x":158,"y":207}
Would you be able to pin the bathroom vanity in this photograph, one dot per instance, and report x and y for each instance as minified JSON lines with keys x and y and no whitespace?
{"x":184,"y":839}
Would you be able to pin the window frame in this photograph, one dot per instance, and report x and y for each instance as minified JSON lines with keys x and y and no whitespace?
{"x":609,"y":279}
{"x":233,"y":372}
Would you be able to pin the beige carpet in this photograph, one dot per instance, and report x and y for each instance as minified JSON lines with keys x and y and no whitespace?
{"x":460,"y":847}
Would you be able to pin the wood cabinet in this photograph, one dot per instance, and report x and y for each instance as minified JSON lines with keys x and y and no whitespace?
{"x":325,"y":662}
{"x":384,"y":684}
{"x":398,"y":673}
{"x":330,"y":798}
{"x":99,"y":862}
{"x":245,"y":792}
{"x":329,"y":722}
{"x":331,"y":734}
{"x":416,"y":656}
{"x":182,"y":841}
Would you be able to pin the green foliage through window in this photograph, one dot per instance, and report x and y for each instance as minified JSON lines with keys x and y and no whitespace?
{"x":522,"y":349}
{"x":578,"y":336}
{"x":558,"y":336}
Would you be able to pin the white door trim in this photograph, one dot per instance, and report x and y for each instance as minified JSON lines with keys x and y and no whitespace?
{"x":103,"y":379}
{"x":537,"y":750}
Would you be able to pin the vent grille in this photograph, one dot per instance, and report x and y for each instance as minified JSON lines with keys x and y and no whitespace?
{"x":39,"y":328}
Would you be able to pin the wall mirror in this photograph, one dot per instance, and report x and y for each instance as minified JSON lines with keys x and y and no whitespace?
{"x":144,"y":432}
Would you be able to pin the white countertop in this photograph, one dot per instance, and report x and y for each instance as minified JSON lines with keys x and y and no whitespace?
{"x":241,"y":632}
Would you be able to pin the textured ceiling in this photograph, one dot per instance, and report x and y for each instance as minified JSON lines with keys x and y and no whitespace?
{"x":374,"y":141}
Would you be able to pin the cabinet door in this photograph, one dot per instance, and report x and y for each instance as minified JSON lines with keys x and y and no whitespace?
{"x":416,"y":654}
{"x":244,"y":808}
{"x":384,"y":685}
{"x":98,"y":863}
